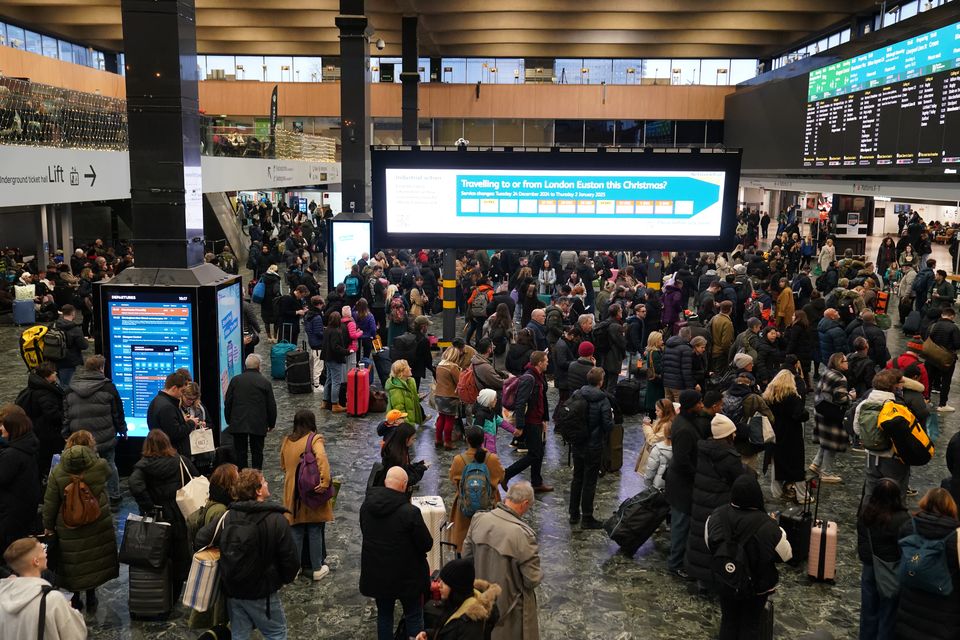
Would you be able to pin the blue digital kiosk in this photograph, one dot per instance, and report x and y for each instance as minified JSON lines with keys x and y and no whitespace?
{"x":154,"y":321}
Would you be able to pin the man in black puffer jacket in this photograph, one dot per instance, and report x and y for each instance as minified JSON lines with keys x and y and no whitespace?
{"x":678,"y":365}
{"x":866,"y":326}
{"x":43,"y":402}
{"x":718,"y":466}
{"x":945,"y":333}
{"x":393,"y":557}
{"x":75,"y":345}
{"x":744,"y":521}
{"x":257,"y":557}
{"x":679,"y":477}
{"x":93,"y":404}
{"x":587,"y":455}
{"x":164,"y":413}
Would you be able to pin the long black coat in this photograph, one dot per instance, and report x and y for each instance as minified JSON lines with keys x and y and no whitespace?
{"x":393,"y":558}
{"x":718,"y":465}
{"x":799,"y":342}
{"x":682,"y":470}
{"x":164,"y":413}
{"x":19,"y":488}
{"x":44,"y":405}
{"x":249,"y":405}
{"x":788,"y":458}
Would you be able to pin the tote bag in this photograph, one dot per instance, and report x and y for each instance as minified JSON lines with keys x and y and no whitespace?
{"x":193,"y":493}
{"x":203,"y":581}
{"x":201,"y":441}
{"x":146,"y":542}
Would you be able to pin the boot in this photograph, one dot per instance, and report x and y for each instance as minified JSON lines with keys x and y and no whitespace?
{"x":338,"y":409}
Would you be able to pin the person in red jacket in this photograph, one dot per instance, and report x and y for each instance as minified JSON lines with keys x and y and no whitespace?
{"x":908,"y":357}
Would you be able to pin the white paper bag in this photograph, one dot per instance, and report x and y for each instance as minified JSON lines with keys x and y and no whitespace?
{"x":194,"y":492}
{"x":201,"y":441}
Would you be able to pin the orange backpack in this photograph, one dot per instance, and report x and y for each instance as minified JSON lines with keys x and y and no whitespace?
{"x":80,"y":507}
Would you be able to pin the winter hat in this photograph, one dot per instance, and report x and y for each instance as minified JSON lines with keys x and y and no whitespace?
{"x":421,"y":321}
{"x":394,"y":415}
{"x":458,"y":575}
{"x":585,"y":350}
{"x":740,"y":268}
{"x":721,"y":427}
{"x":487,"y":397}
{"x":742,"y":360}
{"x":689,"y":399}
{"x":746,"y":493}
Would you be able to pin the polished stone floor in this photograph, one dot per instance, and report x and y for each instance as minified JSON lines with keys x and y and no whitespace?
{"x":589,"y":590}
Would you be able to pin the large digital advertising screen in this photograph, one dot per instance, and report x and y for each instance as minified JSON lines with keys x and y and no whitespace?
{"x":349,"y":240}
{"x":150,"y":335}
{"x":229,"y":339}
{"x":558,"y":199}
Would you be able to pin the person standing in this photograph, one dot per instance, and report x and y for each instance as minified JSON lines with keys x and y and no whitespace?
{"x":722,"y":334}
{"x":257,"y":558}
{"x":531,"y":414}
{"x":504,"y":551}
{"x":336,"y":348}
{"x":789,"y":414}
{"x":75,"y":345}
{"x":678,"y":365}
{"x":313,"y":325}
{"x":830,"y":402}
{"x":42,"y":401}
{"x":87,"y":553}
{"x":393,"y":556}
{"x":250,"y":409}
{"x":479,"y":454}
{"x":945,"y":333}
{"x":19,"y":480}
{"x":765,"y":224}
{"x":308,"y":523}
{"x":92,"y":403}
{"x":617,"y":351}
{"x":21,"y":597}
{"x":272,"y":291}
{"x":164,"y":413}
{"x":680,"y":477}
{"x":587,"y":455}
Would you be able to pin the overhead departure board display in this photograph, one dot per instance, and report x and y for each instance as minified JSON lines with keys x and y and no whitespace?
{"x":150,"y":335}
{"x":898,"y":106}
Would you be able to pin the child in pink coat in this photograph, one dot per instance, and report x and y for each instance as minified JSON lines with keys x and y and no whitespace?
{"x":486,"y":417}
{"x":346,"y":320}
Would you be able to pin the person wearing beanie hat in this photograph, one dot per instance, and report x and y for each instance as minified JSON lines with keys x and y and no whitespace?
{"x":468,"y":607}
{"x":743,"y":362}
{"x":733,"y":523}
{"x":585,"y":350}
{"x":912,"y":356}
{"x":718,"y":466}
{"x":680,"y":477}
{"x":579,"y":368}
{"x":489,"y":419}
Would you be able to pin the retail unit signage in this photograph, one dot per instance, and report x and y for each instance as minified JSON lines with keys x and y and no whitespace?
{"x":47,"y":175}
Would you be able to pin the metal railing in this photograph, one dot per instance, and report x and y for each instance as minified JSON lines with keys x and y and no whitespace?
{"x":46,"y":116}
{"x":43,"y":115}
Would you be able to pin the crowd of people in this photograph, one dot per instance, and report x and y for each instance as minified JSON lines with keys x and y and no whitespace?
{"x":719,"y":351}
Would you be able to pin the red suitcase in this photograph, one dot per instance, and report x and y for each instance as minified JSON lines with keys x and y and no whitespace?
{"x":358,"y":392}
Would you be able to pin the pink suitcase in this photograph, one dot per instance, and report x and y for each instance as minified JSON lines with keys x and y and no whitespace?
{"x":822,"y":563}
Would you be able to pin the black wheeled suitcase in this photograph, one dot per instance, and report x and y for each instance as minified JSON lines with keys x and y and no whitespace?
{"x":627,"y":393}
{"x":636,"y":519}
{"x":796,"y":523}
{"x":149,"y":592}
{"x":298,"y":370}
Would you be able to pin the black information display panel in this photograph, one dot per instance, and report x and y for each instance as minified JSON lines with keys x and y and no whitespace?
{"x":898,"y":106}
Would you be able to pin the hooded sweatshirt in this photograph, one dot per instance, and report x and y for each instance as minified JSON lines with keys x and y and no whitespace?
{"x":20,"y":611}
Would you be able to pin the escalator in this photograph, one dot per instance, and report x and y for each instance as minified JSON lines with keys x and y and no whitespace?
{"x":221,"y":226}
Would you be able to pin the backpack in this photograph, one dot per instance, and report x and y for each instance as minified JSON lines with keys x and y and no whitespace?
{"x":259,"y":292}
{"x":571,"y":421}
{"x":308,"y":478}
{"x":80,"y":507}
{"x":733,"y":409}
{"x":398,"y":312}
{"x":467,"y":389}
{"x":474,"y":492}
{"x":241,"y":553}
{"x":911,"y":444}
{"x":54,"y":344}
{"x":872,"y":436}
{"x":404,"y":348}
{"x":924,"y":563}
{"x":31,"y":346}
{"x":730,"y":566}
{"x":510,"y":386}
{"x":499,"y":339}
{"x":601,"y":337}
{"x":351,"y":286}
{"x":478,"y":308}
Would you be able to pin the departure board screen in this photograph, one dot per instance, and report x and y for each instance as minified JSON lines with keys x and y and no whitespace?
{"x":894,"y":106}
{"x":150,"y":335}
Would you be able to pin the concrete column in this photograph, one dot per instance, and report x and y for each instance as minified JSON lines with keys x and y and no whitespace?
{"x":160,"y":45}
{"x":449,"y":297}
{"x":66,"y":231}
{"x":410,"y":77}
{"x":355,"y":32}
{"x":52,"y":241}
{"x":42,"y":243}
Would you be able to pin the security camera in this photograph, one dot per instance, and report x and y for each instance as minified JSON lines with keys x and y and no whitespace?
{"x":381,"y":44}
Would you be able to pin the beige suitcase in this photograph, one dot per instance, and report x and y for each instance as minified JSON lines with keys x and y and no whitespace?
{"x":435,"y":517}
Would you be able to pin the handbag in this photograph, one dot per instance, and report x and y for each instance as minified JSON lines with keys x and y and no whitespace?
{"x":651,"y":371}
{"x":192,"y":494}
{"x":146,"y":542}
{"x":377,"y":344}
{"x":201,"y":441}
{"x":760,"y":431}
{"x":886,"y":574}
{"x":938,"y":355}
{"x":832,"y":413}
{"x":203,"y":581}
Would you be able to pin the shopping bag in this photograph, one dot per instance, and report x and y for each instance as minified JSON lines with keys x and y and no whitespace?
{"x":201,"y":441}
{"x":193,"y":493}
{"x":146,"y":542}
{"x":203,"y":581}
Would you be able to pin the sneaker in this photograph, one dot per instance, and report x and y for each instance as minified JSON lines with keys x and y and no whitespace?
{"x":321,"y":573}
{"x":814,"y":467}
{"x":858,"y":448}
{"x":912,"y":492}
{"x":827,"y":478}
{"x":945,"y":409}
{"x":591,"y":523}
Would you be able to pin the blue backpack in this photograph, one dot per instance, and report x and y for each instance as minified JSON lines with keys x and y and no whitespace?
{"x":351,"y":285}
{"x":475,"y":491}
{"x":259,"y":291}
{"x":923,"y":563}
